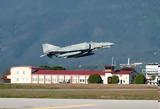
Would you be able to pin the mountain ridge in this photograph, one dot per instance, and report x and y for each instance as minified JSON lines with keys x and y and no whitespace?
{"x":132,"y":25}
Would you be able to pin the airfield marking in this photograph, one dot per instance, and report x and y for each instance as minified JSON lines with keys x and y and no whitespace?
{"x":67,"y":106}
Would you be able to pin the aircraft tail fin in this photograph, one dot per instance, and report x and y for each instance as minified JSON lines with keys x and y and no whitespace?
{"x":48,"y":47}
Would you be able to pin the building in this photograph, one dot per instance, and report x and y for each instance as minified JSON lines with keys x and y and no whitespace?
{"x":28,"y":74}
{"x":153,"y":73}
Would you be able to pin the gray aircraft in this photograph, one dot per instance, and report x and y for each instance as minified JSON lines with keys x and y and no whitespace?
{"x":74,"y":51}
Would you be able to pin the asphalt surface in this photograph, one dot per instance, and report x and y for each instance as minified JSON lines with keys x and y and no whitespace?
{"x":29,"y":103}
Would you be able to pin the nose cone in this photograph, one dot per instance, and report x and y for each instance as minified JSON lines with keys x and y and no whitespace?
{"x":110,"y":44}
{"x":102,"y":44}
{"x":107,"y":45}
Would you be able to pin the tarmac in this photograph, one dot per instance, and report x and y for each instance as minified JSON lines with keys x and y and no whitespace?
{"x":32,"y":103}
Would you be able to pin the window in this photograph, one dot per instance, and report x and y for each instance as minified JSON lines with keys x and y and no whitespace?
{"x":68,"y":80}
{"x":57,"y":79}
{"x":81,"y":80}
{"x":54,"y":80}
{"x":120,"y":81}
{"x":75,"y":80}
{"x":41,"y":79}
{"x":17,"y":79}
{"x":61,"y":80}
{"x":123,"y":81}
{"x":48,"y":79}
{"x":23,"y":72}
{"x":17,"y":72}
{"x":34,"y":79}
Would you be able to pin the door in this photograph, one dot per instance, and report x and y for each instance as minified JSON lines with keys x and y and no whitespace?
{"x":109,"y":80}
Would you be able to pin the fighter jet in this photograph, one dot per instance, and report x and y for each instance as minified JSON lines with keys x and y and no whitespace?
{"x":74,"y":51}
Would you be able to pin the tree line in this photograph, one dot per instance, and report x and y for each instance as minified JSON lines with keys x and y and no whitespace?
{"x":53,"y":67}
{"x":96,"y":78}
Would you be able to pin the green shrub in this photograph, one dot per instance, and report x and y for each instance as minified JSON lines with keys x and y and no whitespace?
{"x":139,"y":79}
{"x":58,"y":68}
{"x":115,"y":79}
{"x":153,"y":77}
{"x":95,"y":78}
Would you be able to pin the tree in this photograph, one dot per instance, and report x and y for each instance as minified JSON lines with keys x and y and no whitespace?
{"x":115,"y":79}
{"x":45,"y":67}
{"x":53,"y":68}
{"x":95,"y":78}
{"x":140,"y":79}
{"x":4,"y":76}
{"x":58,"y":68}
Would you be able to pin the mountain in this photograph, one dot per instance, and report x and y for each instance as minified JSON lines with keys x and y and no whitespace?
{"x":133,"y":25}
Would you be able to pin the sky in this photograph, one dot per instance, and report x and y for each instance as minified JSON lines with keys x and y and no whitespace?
{"x":133,"y":25}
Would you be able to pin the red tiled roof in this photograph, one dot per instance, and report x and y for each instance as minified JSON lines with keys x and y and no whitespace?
{"x":79,"y":72}
{"x":71,"y":72}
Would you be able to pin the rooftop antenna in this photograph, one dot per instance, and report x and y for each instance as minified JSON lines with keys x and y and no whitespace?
{"x":112,"y":60}
{"x":128,"y":61}
{"x":115,"y":62}
{"x":129,"y":64}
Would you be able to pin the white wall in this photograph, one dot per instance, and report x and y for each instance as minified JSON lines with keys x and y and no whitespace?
{"x":67,"y":78}
{"x":23,"y":75}
{"x":105,"y":80}
{"x":34,"y":79}
{"x":75,"y":79}
{"x":20,"y":74}
{"x":55,"y":79}
{"x":83,"y":79}
{"x":41,"y":79}
{"x":124,"y":79}
{"x":152,"y":69}
{"x":48,"y":78}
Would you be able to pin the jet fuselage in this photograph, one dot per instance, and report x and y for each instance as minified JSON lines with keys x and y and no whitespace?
{"x":74,"y":51}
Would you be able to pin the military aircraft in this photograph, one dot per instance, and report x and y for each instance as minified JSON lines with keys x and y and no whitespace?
{"x":74,"y":51}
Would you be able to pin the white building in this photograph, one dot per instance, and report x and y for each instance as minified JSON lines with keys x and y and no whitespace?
{"x":153,"y":73}
{"x":27,"y":74}
{"x":20,"y":74}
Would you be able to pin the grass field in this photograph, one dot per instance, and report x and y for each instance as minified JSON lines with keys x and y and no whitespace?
{"x":75,"y":86}
{"x":77,"y":91}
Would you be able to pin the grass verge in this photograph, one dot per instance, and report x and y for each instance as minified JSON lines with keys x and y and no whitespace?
{"x":79,"y":91}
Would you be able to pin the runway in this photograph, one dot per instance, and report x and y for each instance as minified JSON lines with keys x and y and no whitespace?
{"x":30,"y":103}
